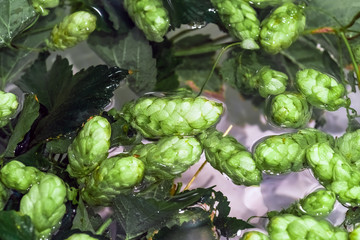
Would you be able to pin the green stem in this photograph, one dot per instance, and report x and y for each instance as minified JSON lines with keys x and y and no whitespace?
{"x":355,"y":18}
{"x":353,"y":60}
{"x":104,"y":226}
{"x":180,"y":34}
{"x":215,"y":64}
{"x":199,"y":50}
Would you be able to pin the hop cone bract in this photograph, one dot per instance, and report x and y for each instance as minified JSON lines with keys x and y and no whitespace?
{"x":271,"y":82}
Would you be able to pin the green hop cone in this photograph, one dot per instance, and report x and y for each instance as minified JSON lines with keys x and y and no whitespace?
{"x":150,"y":16}
{"x":279,"y":154}
{"x":321,"y":90}
{"x":240,"y":19}
{"x":254,"y":235}
{"x":4,"y":195}
{"x":309,"y":136}
{"x":289,"y":110}
{"x":291,"y":227}
{"x":355,"y":234}
{"x":170,"y":156}
{"x":8,"y":106}
{"x":156,"y":117}
{"x":80,"y":236}
{"x":349,"y":146}
{"x":282,"y":27}
{"x":271,"y":82}
{"x":230,"y":157}
{"x":318,"y":203}
{"x":41,"y":6}
{"x":335,"y":173}
{"x":115,"y":175}
{"x":15,"y":175}
{"x":267,"y":3}
{"x":72,"y":30}
{"x":45,"y":204}
{"x":90,"y":147}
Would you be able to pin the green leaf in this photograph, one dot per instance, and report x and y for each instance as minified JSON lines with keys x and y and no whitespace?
{"x":70,"y":100}
{"x":85,"y":221}
{"x":15,"y":16}
{"x":15,"y":226}
{"x":28,"y":115}
{"x":35,"y":157}
{"x":352,"y":217}
{"x":196,"y":13}
{"x":123,"y":134}
{"x":131,"y":52}
{"x":60,"y":145}
{"x":137,"y":215}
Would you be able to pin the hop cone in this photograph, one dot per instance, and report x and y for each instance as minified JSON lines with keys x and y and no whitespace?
{"x":157,"y":117}
{"x":44,"y":203}
{"x":228,"y":156}
{"x":41,"y":6}
{"x":170,"y":156}
{"x":267,"y":3}
{"x":318,"y":203}
{"x":282,"y":27}
{"x":239,"y":18}
{"x":150,"y":16}
{"x":4,"y":195}
{"x":349,"y":146}
{"x":8,"y":106}
{"x":289,"y":110}
{"x":271,"y":82}
{"x":355,"y":234}
{"x":334,"y":173}
{"x":90,"y":147}
{"x":309,"y":136}
{"x":73,"y":29}
{"x":320,"y":90}
{"x":115,"y":175}
{"x":15,"y":175}
{"x":254,"y":235}
{"x":80,"y":236}
{"x":291,"y":227}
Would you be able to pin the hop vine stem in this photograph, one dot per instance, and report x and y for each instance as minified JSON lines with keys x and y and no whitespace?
{"x":353,"y":60}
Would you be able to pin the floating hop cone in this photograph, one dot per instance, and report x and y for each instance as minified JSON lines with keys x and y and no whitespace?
{"x":254,"y":235}
{"x":349,"y":146}
{"x":150,"y":16}
{"x":228,"y":156}
{"x":335,"y":173}
{"x":284,"y":153}
{"x":156,"y":117}
{"x":282,"y":27}
{"x":321,"y":90}
{"x":289,"y":110}
{"x":240,"y":19}
{"x":90,"y":147}
{"x":73,"y":29}
{"x":8,"y":106}
{"x":169,"y":157}
{"x":80,"y":236}
{"x":291,"y":227}
{"x":15,"y":175}
{"x":115,"y":175}
{"x":41,"y":6}
{"x":45,"y":204}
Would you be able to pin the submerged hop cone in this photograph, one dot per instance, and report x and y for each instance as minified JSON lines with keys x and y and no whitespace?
{"x":45,"y":204}
{"x":321,"y":90}
{"x":8,"y":106}
{"x":156,"y":117}
{"x":90,"y":147}
{"x":115,"y":175}
{"x":150,"y":16}
{"x":230,"y":157}
{"x":271,"y":82}
{"x":318,"y":203}
{"x":71,"y":30}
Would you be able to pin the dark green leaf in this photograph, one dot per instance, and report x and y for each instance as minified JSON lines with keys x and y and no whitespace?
{"x":131,"y":52}
{"x":352,"y":217}
{"x":15,"y":226}
{"x":228,"y":71}
{"x":118,"y":16}
{"x":70,"y":100}
{"x":83,"y":220}
{"x":15,"y":16}
{"x":137,"y":215}
{"x":59,"y":146}
{"x":158,"y":190}
{"x":35,"y":157}
{"x":26,"y":119}
{"x":196,"y":13}
{"x":230,"y":226}
{"x":123,"y":134}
